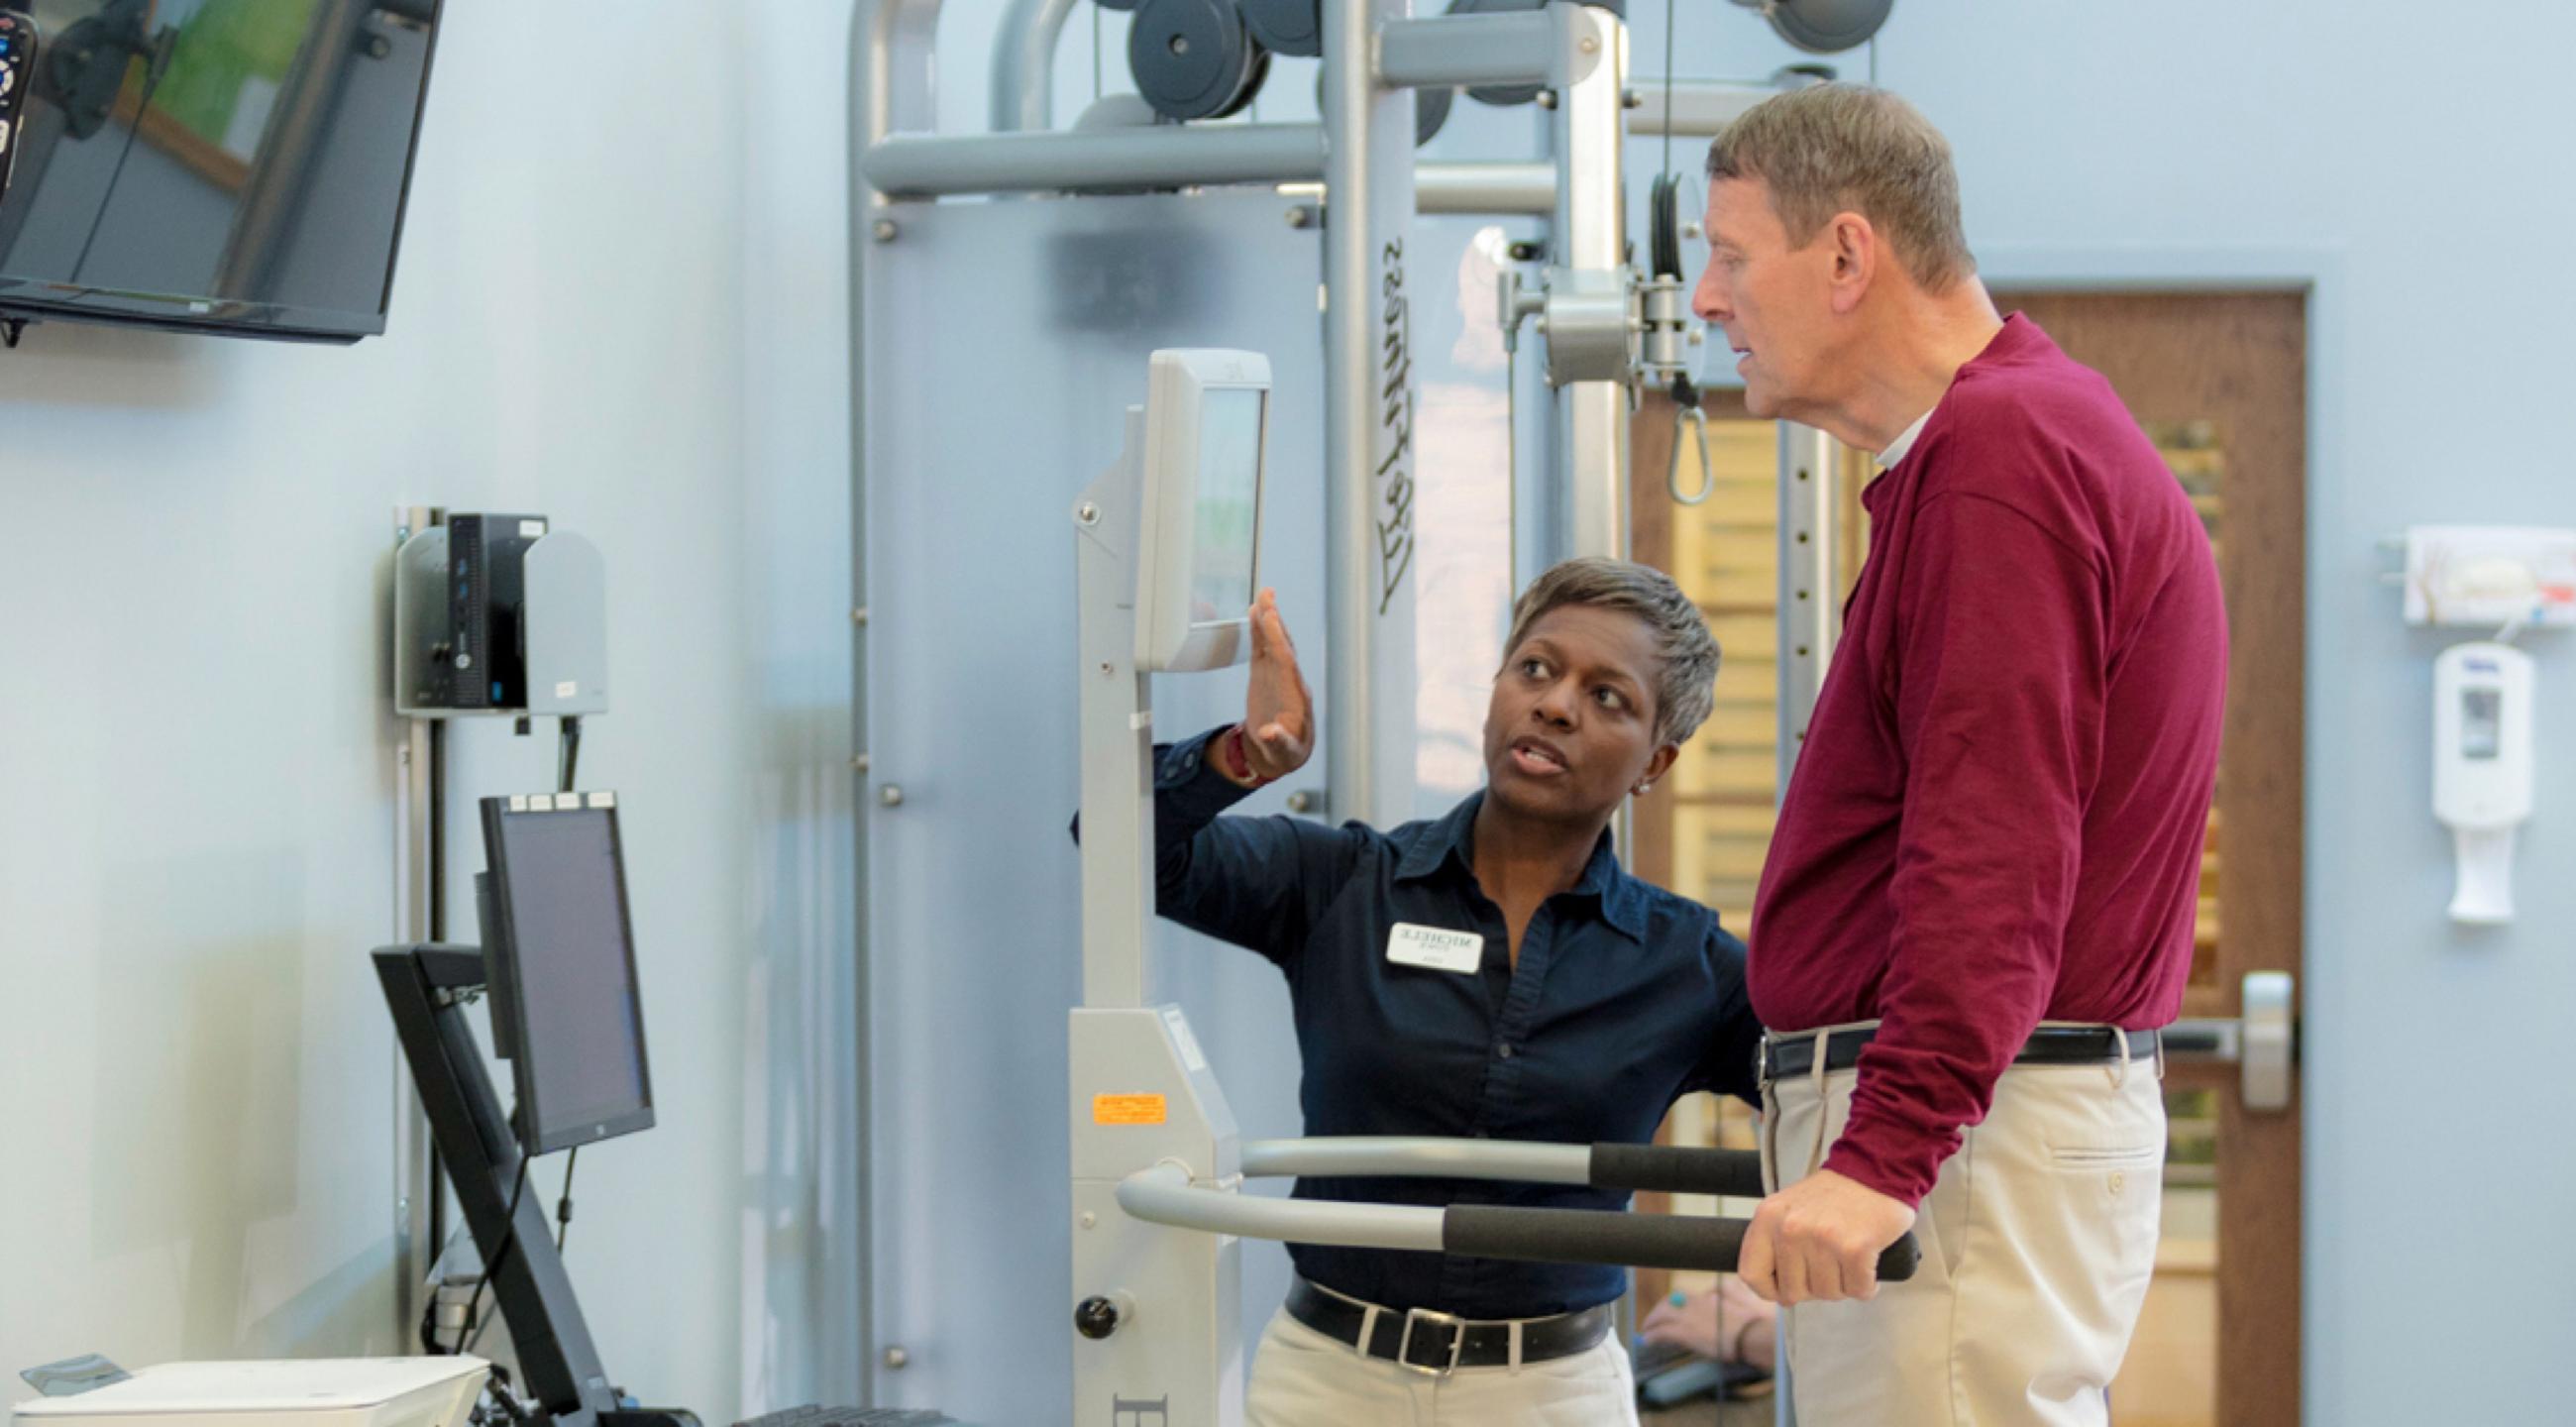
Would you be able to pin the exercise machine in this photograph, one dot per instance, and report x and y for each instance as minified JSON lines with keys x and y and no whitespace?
{"x":1167,"y":560}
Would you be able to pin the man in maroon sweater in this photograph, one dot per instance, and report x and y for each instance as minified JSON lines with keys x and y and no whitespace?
{"x":1978,"y":904}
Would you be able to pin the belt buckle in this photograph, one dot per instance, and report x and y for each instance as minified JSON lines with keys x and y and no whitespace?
{"x":1404,"y":1341}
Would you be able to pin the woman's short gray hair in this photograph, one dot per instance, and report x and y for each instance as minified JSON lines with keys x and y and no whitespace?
{"x":1686,"y":688}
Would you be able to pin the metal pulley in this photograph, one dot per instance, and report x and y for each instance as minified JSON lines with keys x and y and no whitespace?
{"x":1194,"y":59}
{"x":1823,"y":26}
{"x":1288,"y":27}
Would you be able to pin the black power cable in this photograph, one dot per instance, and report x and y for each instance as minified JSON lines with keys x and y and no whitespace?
{"x":563,"y":1205}
{"x":568,"y":752}
{"x":1663,"y":210}
{"x":156,"y":65}
{"x":475,"y":1322}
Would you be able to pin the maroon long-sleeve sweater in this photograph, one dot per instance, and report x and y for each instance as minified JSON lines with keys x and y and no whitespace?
{"x":1998,"y":815}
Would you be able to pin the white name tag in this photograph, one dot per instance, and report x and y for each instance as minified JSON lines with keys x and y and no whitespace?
{"x":1435,"y":949}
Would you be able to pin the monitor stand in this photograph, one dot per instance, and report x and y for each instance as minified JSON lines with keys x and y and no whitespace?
{"x":425,"y":987}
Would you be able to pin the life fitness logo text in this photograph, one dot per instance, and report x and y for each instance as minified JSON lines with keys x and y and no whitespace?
{"x":1395,"y":427}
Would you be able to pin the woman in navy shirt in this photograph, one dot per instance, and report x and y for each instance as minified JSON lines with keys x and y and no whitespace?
{"x":1492,"y":973}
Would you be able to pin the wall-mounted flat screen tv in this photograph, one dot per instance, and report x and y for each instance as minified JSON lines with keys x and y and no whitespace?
{"x":229,"y":166}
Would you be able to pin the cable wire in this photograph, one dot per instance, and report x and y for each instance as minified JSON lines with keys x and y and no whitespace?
{"x":1672,"y":41}
{"x":563,"y":1205}
{"x":475,"y":1322}
{"x":155,"y":66}
{"x":568,"y":751}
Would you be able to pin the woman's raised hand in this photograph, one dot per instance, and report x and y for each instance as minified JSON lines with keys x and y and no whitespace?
{"x":1278,"y":712}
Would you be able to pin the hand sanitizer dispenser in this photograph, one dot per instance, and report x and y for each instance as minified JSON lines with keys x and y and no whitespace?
{"x":2482,"y":773}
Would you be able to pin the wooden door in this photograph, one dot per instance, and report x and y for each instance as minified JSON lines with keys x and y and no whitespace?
{"x":2219,"y":380}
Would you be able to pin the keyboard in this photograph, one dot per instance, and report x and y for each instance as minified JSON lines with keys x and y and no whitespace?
{"x":811,"y":1416}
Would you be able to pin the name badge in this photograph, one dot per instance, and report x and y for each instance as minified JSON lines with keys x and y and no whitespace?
{"x":1435,"y":949}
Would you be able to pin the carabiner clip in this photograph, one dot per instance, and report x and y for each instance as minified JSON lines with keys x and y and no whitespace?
{"x":1697,"y":420}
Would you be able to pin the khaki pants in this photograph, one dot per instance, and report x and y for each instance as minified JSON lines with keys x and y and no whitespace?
{"x":1301,"y":1378}
{"x":2037,"y":1241}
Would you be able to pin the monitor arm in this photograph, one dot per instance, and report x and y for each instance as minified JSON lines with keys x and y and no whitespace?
{"x":426,"y":987}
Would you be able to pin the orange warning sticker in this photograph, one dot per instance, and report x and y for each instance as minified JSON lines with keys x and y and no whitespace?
{"x":1128,"y":1110}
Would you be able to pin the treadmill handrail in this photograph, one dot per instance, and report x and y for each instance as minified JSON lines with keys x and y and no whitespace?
{"x":1417,"y":1157}
{"x":1670,"y":1169}
{"x":1165,"y":1194}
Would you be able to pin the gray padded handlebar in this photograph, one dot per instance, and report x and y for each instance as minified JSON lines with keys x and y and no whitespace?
{"x":1164,"y":1194}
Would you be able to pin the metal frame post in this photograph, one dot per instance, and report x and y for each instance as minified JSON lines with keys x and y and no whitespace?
{"x":1117,"y":736}
{"x":891,"y":47}
{"x":415,"y":1242}
{"x":1023,"y":95}
{"x":1590,"y":129}
{"x":1810,"y":583}
{"x":1368,"y":416}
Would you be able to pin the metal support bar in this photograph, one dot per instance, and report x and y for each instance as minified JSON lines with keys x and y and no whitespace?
{"x":1558,"y":46}
{"x":1166,"y":156}
{"x":892,"y":48}
{"x":1486,"y":188}
{"x":415,"y":1244}
{"x":1590,"y":130}
{"x":892,"y":44}
{"x":1024,"y":65}
{"x":1164,"y":1195}
{"x":1395,"y":1156}
{"x":1117,"y":736}
{"x":1810,"y":585}
{"x":1700,"y":108}
{"x":1368,"y":421}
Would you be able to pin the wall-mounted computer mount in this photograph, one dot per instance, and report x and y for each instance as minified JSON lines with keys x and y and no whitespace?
{"x":499,"y":614}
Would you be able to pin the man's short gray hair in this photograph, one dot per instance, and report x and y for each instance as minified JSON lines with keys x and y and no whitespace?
{"x":1848,"y":148}
{"x":1686,"y":686}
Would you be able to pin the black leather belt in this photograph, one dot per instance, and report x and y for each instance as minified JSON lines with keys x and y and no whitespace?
{"x":1784,"y":1057}
{"x":1441,"y":1343}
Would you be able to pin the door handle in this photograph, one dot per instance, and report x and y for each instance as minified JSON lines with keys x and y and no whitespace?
{"x":2263,"y":1044}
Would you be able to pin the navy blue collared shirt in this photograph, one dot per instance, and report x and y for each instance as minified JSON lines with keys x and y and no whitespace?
{"x":1625,"y":998}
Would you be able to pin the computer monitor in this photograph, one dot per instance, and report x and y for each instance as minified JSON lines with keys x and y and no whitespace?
{"x":1207,"y":418}
{"x":560,"y":950}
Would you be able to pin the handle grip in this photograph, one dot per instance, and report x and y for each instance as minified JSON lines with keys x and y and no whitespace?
{"x":1676,"y":1169}
{"x":1637,"y":1240}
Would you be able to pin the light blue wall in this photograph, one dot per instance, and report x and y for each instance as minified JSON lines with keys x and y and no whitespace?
{"x":616,"y":305}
